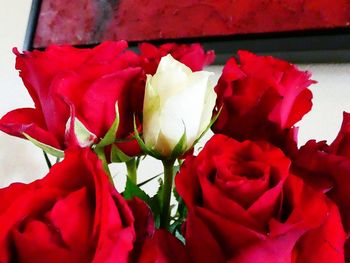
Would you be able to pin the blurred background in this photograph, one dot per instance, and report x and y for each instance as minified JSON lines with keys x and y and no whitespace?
{"x":22,"y":162}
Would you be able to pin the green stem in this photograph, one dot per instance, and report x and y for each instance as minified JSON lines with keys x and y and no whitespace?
{"x":101,"y":155}
{"x":166,"y":194}
{"x":131,"y":167}
{"x":47,"y":159}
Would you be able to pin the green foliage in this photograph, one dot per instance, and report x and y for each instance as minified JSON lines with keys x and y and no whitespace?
{"x":180,"y":147}
{"x":179,"y":218}
{"x":155,"y":202}
{"x":117,"y":156}
{"x":46,"y":148}
{"x":143,"y":146}
{"x":133,"y":190}
{"x":109,"y":137}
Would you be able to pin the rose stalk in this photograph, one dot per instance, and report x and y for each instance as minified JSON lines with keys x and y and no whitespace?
{"x":178,"y":106}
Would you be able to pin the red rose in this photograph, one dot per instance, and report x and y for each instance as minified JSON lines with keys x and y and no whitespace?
{"x":327,"y":168}
{"x":341,"y":144}
{"x":261,"y":99}
{"x":163,"y":247}
{"x":193,"y":56}
{"x":245,"y":206}
{"x":90,"y":82}
{"x":153,"y":246}
{"x":73,"y":214}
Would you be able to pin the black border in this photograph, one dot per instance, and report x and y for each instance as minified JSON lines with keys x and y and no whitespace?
{"x":311,"y":46}
{"x":32,"y":23}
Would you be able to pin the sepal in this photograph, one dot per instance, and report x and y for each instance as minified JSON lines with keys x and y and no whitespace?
{"x":46,"y":148}
{"x":143,"y":146}
{"x":109,"y":137}
{"x":179,"y":149}
{"x":213,"y":120}
{"x":83,"y":136}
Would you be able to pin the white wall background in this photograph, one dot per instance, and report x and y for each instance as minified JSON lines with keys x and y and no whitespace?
{"x":20,"y":161}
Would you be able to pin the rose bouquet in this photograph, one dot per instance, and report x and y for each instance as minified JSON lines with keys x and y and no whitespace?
{"x":249,"y":195}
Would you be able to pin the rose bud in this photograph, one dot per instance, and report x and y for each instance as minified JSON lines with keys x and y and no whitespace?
{"x":261,"y":98}
{"x":162,"y":247}
{"x":193,"y":56}
{"x":178,"y":104}
{"x":73,"y":214}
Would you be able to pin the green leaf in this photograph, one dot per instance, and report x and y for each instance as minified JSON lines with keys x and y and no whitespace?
{"x":180,"y":216}
{"x":177,"y":168}
{"x":175,"y":229}
{"x":172,"y":227}
{"x":181,"y":212}
{"x":158,"y":195}
{"x":109,"y":137}
{"x":150,"y":179}
{"x":132,"y":190}
{"x":46,"y":148}
{"x":156,"y":204}
{"x":179,"y":236}
{"x":117,"y":156}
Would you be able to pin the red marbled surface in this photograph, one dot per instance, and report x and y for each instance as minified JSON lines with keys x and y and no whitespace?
{"x":92,"y":21}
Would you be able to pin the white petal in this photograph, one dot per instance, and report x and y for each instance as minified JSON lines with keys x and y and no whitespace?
{"x":151,"y":123}
{"x":176,"y":101}
{"x":172,"y":128}
{"x":209,"y":104}
{"x":171,"y":77}
{"x":184,"y":110}
{"x":197,"y":95}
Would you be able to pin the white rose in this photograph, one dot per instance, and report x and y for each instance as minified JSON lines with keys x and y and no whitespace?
{"x":177,"y":101}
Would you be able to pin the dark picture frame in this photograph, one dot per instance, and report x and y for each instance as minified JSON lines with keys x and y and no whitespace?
{"x":309,"y":46}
